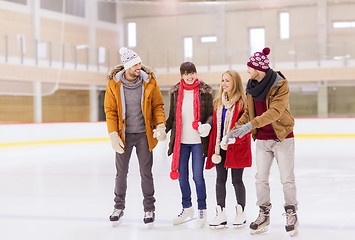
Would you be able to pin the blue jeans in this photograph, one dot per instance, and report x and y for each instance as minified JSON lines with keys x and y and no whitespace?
{"x":198,"y":162}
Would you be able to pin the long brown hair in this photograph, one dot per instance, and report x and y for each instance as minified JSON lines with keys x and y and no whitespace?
{"x":237,"y":92}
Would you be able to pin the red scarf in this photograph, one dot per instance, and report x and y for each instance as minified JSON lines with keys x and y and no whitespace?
{"x":174,"y":174}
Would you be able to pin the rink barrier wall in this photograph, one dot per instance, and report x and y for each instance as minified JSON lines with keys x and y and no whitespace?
{"x":70,"y":132}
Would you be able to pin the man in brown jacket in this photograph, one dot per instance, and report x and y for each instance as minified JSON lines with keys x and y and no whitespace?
{"x":135,"y":117}
{"x":268,"y":117}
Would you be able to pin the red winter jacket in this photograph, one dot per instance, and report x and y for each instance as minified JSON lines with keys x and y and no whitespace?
{"x":238,"y":154}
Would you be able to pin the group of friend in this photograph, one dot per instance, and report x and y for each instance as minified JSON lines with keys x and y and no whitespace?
{"x":215,"y":132}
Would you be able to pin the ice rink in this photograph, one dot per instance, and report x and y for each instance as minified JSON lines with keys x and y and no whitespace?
{"x":64,"y":190}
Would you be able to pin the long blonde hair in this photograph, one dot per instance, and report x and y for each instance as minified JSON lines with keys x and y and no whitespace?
{"x":237,"y":92}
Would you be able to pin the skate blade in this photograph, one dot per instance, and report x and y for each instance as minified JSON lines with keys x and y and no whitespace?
{"x":293,"y":233}
{"x":238,"y":225}
{"x":116,"y":223}
{"x":218,"y":227}
{"x":150,"y":225}
{"x":258,"y":231}
{"x":201,"y":225}
{"x":186,"y":221}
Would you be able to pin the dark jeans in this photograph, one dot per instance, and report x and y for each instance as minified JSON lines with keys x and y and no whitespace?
{"x":237,"y":181}
{"x":198,"y":162}
{"x":145,"y":160}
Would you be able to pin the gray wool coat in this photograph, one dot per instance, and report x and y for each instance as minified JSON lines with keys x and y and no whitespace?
{"x":206,"y":113}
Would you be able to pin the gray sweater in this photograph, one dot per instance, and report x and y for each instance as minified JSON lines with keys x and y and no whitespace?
{"x":133,"y":98}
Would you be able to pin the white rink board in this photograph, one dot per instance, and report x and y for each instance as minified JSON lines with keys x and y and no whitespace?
{"x":12,"y":133}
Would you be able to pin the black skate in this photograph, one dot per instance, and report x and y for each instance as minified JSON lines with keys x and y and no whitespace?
{"x":116,"y":216}
{"x":261,"y":224}
{"x":291,"y":220}
{"x":149,"y":217}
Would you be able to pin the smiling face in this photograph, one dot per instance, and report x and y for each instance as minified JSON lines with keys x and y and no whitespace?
{"x":189,"y":78}
{"x":227,"y":83}
{"x":133,"y":72}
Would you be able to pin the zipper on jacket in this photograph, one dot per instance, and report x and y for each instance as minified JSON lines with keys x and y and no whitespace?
{"x":268,"y":109}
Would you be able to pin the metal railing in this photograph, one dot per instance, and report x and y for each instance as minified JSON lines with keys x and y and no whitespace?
{"x":17,"y":49}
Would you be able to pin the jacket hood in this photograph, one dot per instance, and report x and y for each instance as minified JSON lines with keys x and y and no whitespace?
{"x":204,"y":87}
{"x":279,"y":77}
{"x":120,"y":67}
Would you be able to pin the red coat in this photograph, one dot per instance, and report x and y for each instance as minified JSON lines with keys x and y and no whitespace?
{"x":238,"y":154}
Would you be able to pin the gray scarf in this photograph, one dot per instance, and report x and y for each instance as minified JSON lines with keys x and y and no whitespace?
{"x":132,"y":84}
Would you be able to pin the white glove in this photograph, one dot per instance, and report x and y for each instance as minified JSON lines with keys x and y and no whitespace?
{"x":204,"y":129}
{"x":159,"y":133}
{"x":116,"y":142}
{"x":226,"y":141}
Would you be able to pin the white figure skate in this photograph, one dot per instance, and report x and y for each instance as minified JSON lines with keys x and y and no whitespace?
{"x":220,"y":221}
{"x":184,"y":215}
{"x":240,"y":218}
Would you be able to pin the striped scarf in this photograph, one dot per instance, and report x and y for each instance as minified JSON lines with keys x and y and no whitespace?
{"x":230,"y":106}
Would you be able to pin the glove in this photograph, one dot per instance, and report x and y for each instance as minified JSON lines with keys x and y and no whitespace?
{"x":240,"y":131}
{"x":204,"y":129}
{"x":116,"y":142}
{"x":243,"y":129}
{"x":159,"y":132}
{"x":224,"y":143}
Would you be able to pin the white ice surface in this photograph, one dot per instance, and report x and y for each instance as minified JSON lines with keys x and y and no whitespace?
{"x":65,"y":191}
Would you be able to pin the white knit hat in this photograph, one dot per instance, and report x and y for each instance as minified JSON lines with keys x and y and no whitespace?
{"x":129,"y":58}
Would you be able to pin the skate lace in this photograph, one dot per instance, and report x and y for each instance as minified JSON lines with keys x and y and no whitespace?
{"x":148,"y":214}
{"x":182,"y":213}
{"x":290,"y":217}
{"x":202,"y":213}
{"x":116,"y":212}
{"x":261,"y":218}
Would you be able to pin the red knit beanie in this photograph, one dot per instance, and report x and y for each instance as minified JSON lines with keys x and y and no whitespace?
{"x":259,"y":60}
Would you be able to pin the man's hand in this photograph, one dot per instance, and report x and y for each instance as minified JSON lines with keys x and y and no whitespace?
{"x":116,"y":142}
{"x":159,"y":132}
{"x":243,"y":129}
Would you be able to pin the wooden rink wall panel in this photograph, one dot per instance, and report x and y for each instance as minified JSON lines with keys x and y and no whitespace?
{"x":292,"y":75}
{"x":62,"y":106}
{"x":54,"y":30}
{"x":16,"y":108}
{"x":15,"y":23}
{"x":45,"y":74}
{"x":66,"y":106}
{"x":58,"y":32}
{"x":110,"y":40}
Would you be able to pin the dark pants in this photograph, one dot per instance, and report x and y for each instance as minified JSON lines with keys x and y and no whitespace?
{"x":237,"y":181}
{"x":145,"y":159}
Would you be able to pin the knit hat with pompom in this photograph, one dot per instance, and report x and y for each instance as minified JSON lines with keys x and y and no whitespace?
{"x":259,"y":60}
{"x":129,"y":58}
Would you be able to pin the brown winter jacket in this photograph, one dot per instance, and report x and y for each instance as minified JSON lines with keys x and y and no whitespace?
{"x":152,"y":104}
{"x":206,"y":113}
{"x":278,"y":110}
